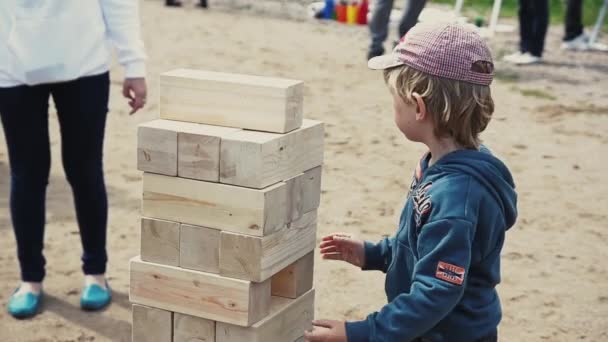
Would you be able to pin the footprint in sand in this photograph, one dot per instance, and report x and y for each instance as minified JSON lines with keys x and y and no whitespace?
{"x":131,"y":178}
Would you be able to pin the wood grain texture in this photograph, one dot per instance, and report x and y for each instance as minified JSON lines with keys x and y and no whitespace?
{"x":198,"y":150}
{"x":188,"y":328}
{"x":295,"y":279}
{"x":233,"y":100}
{"x":303,"y":193}
{"x":199,"y":248}
{"x":259,"y":258}
{"x":258,"y":159}
{"x":198,"y":294}
{"x":157,"y":148}
{"x":151,"y":324}
{"x":160,"y":241}
{"x":213,"y":205}
{"x":288,"y":320}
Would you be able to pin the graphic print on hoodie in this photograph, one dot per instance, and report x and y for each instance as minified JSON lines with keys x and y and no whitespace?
{"x":443,"y":264}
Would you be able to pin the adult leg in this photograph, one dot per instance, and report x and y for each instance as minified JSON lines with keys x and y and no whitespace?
{"x":82,"y":107}
{"x":378,"y":26}
{"x":539,"y":27}
{"x":574,"y":16}
{"x":24,"y":114}
{"x":526,"y":19}
{"x":411,"y":12}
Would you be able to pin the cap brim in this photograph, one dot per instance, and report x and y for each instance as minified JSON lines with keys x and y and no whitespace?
{"x":384,"y":62}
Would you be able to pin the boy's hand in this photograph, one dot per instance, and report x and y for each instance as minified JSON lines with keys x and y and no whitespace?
{"x":326,"y":331}
{"x":341,"y":246}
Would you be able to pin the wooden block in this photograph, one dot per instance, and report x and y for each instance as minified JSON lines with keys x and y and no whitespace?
{"x":303,"y":193}
{"x":151,"y":324}
{"x":184,"y":149}
{"x":198,"y":150}
{"x":258,"y":159}
{"x":160,"y":241}
{"x":188,"y":328}
{"x":199,"y":248}
{"x":199,"y":294}
{"x":233,"y":100}
{"x":157,"y":148}
{"x":259,"y":258}
{"x":288,"y":320}
{"x":295,"y":279}
{"x":213,"y":205}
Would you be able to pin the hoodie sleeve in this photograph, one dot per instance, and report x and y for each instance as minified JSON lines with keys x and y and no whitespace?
{"x":378,"y":256}
{"x":122,"y":26}
{"x":444,"y":249}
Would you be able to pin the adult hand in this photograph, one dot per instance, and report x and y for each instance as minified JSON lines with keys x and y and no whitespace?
{"x":135,"y":90}
{"x":326,"y":331}
{"x":341,"y":246}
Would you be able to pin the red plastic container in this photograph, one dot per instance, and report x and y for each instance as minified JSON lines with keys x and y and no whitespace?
{"x":362,"y":14}
{"x":341,"y":12}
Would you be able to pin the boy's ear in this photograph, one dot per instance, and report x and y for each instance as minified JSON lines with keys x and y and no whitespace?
{"x":420,"y":106}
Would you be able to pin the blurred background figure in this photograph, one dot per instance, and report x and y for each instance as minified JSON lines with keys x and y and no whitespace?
{"x":379,"y":23}
{"x":574,"y":36}
{"x":533,"y":24}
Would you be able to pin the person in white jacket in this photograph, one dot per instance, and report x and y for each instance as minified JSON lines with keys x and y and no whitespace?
{"x":62,"y":49}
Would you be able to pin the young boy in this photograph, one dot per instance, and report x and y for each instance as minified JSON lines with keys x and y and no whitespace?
{"x":443,"y":264}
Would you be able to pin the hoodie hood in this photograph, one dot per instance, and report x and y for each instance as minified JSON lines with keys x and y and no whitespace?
{"x":489,"y":171}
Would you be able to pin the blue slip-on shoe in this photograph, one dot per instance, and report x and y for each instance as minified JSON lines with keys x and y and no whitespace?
{"x":95,"y":297}
{"x":24,"y":305}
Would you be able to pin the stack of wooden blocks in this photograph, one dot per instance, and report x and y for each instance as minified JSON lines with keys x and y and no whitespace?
{"x":231,"y":187}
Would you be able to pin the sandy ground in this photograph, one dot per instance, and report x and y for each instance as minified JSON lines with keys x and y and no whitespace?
{"x":555,"y":278}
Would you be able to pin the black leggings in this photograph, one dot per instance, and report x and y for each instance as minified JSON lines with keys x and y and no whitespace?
{"x":82,"y":107}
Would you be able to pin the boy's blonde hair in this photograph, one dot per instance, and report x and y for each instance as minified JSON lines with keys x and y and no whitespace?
{"x":460,"y":110}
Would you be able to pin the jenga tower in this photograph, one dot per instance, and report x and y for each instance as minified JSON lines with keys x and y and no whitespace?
{"x":231,"y":187}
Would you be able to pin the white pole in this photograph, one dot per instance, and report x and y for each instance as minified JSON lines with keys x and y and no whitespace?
{"x":598,"y":24}
{"x":495,"y":14}
{"x":458,"y":8}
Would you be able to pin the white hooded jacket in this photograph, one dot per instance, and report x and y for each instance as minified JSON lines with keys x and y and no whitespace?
{"x":48,"y":41}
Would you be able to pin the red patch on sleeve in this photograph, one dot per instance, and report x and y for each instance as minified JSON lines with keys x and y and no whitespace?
{"x":450,"y":273}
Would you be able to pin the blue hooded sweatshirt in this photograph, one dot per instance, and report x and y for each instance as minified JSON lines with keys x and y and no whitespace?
{"x":443,"y":264}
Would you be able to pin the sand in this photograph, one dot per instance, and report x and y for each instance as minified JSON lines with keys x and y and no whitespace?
{"x":555,"y":278}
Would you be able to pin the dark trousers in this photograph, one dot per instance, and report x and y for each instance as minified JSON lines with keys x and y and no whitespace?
{"x":82,"y":106}
{"x":533,"y":24}
{"x":574,"y":19}
{"x":378,"y":25}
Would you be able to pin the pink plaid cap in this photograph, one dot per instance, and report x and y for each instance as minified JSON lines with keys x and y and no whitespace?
{"x":443,"y":49}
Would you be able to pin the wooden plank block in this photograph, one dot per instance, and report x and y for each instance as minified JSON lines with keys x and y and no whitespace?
{"x":199,"y":248}
{"x":288,"y":320}
{"x":233,"y":100}
{"x":157,"y":148}
{"x":198,"y":294}
{"x":198,"y":150}
{"x":213,"y":205}
{"x":258,"y":159}
{"x":160,"y":241}
{"x":188,"y":328}
{"x":259,"y":258}
{"x":151,"y":324}
{"x":295,"y":279}
{"x":303,"y":193}
{"x":184,"y":149}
